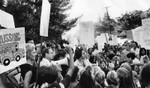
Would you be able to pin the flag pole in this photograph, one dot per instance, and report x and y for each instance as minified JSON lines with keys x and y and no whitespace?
{"x":39,"y":60}
{"x":106,"y":38}
{"x":44,"y":25}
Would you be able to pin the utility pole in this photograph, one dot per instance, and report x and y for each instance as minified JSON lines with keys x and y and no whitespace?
{"x":108,"y":18}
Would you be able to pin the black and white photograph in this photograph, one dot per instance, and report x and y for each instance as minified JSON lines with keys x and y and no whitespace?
{"x":74,"y":43}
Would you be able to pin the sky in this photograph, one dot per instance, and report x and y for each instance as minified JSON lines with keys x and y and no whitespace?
{"x":92,"y":10}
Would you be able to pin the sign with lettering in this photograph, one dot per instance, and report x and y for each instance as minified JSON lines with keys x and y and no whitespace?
{"x":86,"y":33}
{"x":12,"y":48}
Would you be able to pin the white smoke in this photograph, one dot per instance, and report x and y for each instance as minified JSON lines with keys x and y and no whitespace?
{"x":72,"y":36}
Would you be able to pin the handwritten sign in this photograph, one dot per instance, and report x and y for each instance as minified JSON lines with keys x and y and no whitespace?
{"x":12,"y":48}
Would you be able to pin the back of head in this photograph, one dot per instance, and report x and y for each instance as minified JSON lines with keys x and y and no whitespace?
{"x":100,"y":77}
{"x":47,"y":75}
{"x":75,"y":73}
{"x":78,"y":53}
{"x":112,"y":78}
{"x":110,"y":56}
{"x":29,"y":39}
{"x":126,"y":81}
{"x":131,"y":55}
{"x":144,"y":76}
{"x":86,"y":80}
{"x":127,"y":66}
{"x":44,"y":51}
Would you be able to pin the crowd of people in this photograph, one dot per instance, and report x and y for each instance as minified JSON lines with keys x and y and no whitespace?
{"x":52,"y":65}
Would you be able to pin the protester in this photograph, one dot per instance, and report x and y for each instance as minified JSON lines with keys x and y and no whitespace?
{"x":29,"y":40}
{"x":74,"y":78}
{"x":28,"y":71}
{"x":113,"y":67}
{"x":81,"y":60}
{"x":144,"y":76}
{"x":112,"y":79}
{"x":47,"y":56}
{"x":45,"y":83}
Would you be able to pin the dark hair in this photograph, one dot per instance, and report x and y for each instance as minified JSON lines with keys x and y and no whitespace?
{"x":126,"y":81}
{"x":47,"y":74}
{"x":90,"y":50}
{"x":93,"y":59}
{"x":64,"y":70}
{"x":75,"y":73}
{"x":78,"y":53}
{"x":60,"y":53}
{"x":140,"y":52}
{"x":144,"y":76}
{"x":110,"y":56}
{"x":136,"y":43}
{"x":86,"y":80}
{"x":28,"y":38}
{"x":63,"y":42}
{"x":44,"y":51}
{"x":131,"y":55}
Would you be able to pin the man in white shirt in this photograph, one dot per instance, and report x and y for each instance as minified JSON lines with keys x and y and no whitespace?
{"x":47,"y":56}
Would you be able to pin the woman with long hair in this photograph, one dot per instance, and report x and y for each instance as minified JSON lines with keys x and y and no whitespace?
{"x":28,"y":70}
{"x":126,"y":80}
{"x":87,"y":79}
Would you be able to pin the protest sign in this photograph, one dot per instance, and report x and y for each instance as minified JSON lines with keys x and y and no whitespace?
{"x":6,"y":20}
{"x":101,"y":39}
{"x":45,"y":17}
{"x":146,"y":33}
{"x":146,"y":37}
{"x":138,"y":35}
{"x":12,"y":48}
{"x":86,"y":33}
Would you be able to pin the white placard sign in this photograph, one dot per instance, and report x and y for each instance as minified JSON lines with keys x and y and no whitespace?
{"x":86,"y":34}
{"x":12,"y":48}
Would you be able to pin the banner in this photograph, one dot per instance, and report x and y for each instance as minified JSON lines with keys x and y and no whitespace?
{"x":45,"y":17}
{"x":138,"y":35}
{"x":146,"y":37}
{"x":12,"y":48}
{"x":6,"y":20}
{"x":101,"y":39}
{"x":86,"y":33}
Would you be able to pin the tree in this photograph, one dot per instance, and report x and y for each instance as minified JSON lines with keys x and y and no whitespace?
{"x":146,"y":14}
{"x":27,"y":14}
{"x":130,"y":20}
{"x":106,"y":25}
{"x":1,"y":4}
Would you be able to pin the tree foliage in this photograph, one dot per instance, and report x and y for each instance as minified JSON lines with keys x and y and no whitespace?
{"x":130,"y":20}
{"x":106,"y":25}
{"x":27,"y":14}
{"x":1,"y":4}
{"x":146,"y":14}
